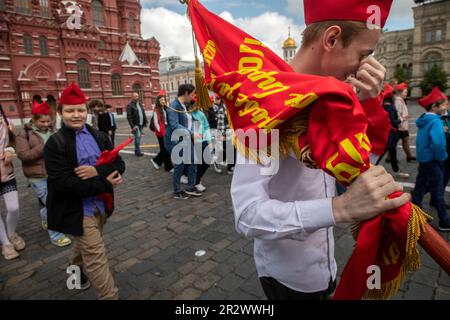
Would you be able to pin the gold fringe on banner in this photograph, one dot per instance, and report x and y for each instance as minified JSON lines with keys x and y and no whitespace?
{"x":201,"y":90}
{"x":416,"y":227}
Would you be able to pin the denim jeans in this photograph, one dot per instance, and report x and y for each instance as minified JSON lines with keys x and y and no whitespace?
{"x":137,"y":140}
{"x":179,"y":168}
{"x":431,"y":178}
{"x":40,"y":188}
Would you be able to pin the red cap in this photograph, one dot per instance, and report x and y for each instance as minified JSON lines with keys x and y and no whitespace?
{"x":401,"y":86}
{"x":434,"y":96}
{"x":162,"y":93}
{"x":40,"y":108}
{"x":388,"y":90}
{"x":355,"y":10}
{"x":72,"y":95}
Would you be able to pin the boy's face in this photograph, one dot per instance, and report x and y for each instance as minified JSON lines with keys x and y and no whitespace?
{"x":43,"y":123}
{"x":441,"y":109}
{"x":74,"y":116}
{"x":341,"y":62}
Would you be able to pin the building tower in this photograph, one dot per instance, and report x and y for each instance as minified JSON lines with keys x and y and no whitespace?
{"x":289,"y":48}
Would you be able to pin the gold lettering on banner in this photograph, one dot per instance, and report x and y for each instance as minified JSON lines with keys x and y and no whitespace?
{"x":299,"y":101}
{"x":209,"y":52}
{"x":227,"y":91}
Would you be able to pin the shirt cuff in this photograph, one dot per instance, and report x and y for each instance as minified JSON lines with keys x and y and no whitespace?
{"x":316,"y":214}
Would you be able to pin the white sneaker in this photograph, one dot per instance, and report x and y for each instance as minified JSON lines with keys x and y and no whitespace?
{"x":217,"y":167}
{"x":154,"y":164}
{"x":184,"y":180}
{"x":200,"y":187}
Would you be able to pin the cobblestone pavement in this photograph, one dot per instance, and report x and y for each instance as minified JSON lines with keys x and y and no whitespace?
{"x":152,"y":239}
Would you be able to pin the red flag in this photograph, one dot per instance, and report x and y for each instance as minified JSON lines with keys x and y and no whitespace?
{"x":107,"y":157}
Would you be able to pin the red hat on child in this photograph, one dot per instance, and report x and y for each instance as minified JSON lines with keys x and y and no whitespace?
{"x":388,"y":90}
{"x":434,"y":96}
{"x":72,"y":95}
{"x":401,"y":86}
{"x":40,"y":108}
{"x":162,"y":93}
{"x":374,"y":12}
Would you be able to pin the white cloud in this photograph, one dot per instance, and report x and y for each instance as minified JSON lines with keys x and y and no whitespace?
{"x":295,"y":7}
{"x":271,"y":28}
{"x":173,"y":30}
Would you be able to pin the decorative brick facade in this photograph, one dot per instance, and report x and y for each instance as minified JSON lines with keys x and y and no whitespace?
{"x":41,"y":53}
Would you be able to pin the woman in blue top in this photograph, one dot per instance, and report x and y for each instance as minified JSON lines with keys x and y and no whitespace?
{"x":201,"y":125}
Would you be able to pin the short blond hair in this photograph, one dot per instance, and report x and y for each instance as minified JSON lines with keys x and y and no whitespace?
{"x":350,"y":29}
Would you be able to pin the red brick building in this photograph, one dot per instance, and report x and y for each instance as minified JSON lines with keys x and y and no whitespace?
{"x":43,"y":49}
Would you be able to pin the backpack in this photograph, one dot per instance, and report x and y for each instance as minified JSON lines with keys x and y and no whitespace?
{"x":152,"y":124}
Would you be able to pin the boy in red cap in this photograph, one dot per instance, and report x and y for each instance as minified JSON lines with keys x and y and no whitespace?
{"x":431,"y":154}
{"x":30,"y":150}
{"x":291,"y":214}
{"x":74,"y":185}
{"x":400,"y":94}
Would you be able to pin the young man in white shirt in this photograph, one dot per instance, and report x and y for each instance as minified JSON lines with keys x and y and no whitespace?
{"x":291,"y":214}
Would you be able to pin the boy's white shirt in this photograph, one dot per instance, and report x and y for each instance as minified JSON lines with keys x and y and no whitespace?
{"x":290,"y":217}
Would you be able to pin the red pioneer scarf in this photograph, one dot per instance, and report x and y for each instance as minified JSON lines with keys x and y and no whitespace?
{"x":108,"y":157}
{"x":262,"y":91}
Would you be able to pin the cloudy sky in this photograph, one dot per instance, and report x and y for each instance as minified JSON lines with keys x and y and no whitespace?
{"x":267,"y":20}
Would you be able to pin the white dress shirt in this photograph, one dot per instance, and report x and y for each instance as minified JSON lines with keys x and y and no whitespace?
{"x":290,"y":217}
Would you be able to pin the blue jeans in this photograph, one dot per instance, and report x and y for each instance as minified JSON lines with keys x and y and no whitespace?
{"x":137,"y":140}
{"x":191,"y":172}
{"x":431,"y":178}
{"x":40,"y":188}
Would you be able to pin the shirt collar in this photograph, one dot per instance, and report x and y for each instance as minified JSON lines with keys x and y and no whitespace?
{"x":84,"y":130}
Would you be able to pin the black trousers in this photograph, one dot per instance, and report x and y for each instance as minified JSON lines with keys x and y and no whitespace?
{"x":201,"y":169}
{"x":392,"y":150}
{"x":113,"y":137}
{"x":163,"y":156}
{"x":274,"y":290}
{"x":224,"y":155}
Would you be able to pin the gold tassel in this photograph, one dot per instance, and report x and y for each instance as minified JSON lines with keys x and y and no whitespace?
{"x":201,"y":90}
{"x":416,"y":227}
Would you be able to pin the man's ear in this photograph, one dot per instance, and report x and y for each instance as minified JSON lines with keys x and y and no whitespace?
{"x":331,"y":38}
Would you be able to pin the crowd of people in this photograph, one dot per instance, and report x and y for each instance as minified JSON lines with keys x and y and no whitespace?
{"x":432,"y":145}
{"x":204,"y":134}
{"x":61,"y":165}
{"x":59,"y":152}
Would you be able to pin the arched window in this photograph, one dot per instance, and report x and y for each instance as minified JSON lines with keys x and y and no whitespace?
{"x":432,"y":59}
{"x":45,"y":11}
{"x":116,"y":84}
{"x":28,"y":44}
{"x":83,"y":73}
{"x":43,"y":45}
{"x":22,"y":6}
{"x":410,"y":43}
{"x":137,"y":88}
{"x":131,"y":23}
{"x":97,"y":12}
